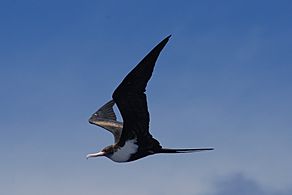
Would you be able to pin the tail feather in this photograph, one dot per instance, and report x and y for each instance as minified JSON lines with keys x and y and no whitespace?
{"x":185,"y":150}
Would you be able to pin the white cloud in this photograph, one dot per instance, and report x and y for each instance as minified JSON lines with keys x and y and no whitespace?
{"x":240,"y":184}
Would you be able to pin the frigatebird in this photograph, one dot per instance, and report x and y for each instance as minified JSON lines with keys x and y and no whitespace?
{"x":132,"y":137}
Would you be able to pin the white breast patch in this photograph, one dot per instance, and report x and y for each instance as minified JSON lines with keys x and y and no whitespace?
{"x":123,"y":154}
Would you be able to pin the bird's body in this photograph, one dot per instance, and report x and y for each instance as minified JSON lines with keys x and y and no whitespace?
{"x":123,"y":154}
{"x":132,"y":138}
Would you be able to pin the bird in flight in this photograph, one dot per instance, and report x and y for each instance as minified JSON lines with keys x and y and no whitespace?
{"x":132,"y":139}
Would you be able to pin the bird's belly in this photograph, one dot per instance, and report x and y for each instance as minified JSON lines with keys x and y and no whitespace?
{"x":124,"y":153}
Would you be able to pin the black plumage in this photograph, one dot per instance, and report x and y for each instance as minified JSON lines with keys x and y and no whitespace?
{"x":131,"y":101}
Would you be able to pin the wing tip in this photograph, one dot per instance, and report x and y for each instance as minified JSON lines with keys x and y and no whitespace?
{"x":104,"y":112}
{"x":166,"y":39}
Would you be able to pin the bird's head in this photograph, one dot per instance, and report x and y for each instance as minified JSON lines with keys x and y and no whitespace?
{"x":107,"y":151}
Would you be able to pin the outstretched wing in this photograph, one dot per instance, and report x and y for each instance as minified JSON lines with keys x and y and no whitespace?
{"x":105,"y":117}
{"x":107,"y":111}
{"x":131,"y":101}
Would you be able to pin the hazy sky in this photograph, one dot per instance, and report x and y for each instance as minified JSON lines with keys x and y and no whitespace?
{"x":223,"y":81}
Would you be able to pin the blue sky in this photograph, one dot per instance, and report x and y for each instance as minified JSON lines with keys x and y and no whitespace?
{"x":223,"y":80}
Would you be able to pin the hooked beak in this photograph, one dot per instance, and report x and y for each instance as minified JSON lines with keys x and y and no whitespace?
{"x":95,"y":155}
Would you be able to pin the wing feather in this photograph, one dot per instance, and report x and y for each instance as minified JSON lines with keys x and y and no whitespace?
{"x":131,"y":99}
{"x":105,"y":117}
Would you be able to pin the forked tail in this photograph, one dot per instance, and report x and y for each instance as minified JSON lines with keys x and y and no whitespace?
{"x":170,"y":150}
